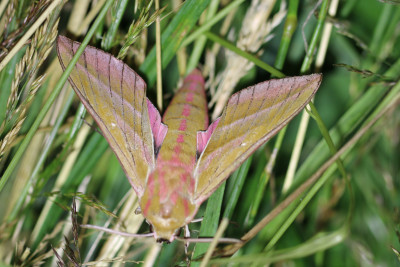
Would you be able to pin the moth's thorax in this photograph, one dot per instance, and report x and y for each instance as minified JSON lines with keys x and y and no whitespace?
{"x":167,"y":203}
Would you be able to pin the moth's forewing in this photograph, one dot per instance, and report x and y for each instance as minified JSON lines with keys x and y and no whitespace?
{"x":116,"y":98}
{"x":251,"y":117}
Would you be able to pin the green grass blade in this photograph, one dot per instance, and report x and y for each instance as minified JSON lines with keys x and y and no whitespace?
{"x":173,"y":35}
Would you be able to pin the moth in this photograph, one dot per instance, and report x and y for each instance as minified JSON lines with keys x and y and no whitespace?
{"x":176,"y":162}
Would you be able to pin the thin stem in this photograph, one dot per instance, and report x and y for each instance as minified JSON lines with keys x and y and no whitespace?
{"x":244,"y":54}
{"x":116,"y":14}
{"x":201,"y":41}
{"x":112,"y":231}
{"x":158,"y":54}
{"x":213,"y":245}
{"x":288,"y":31}
{"x":315,"y":38}
{"x":206,"y":26}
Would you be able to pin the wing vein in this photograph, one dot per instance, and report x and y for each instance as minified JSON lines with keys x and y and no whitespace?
{"x":96,"y":105}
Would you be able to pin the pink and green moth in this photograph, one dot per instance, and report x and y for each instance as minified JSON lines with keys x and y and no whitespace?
{"x":176,"y":162}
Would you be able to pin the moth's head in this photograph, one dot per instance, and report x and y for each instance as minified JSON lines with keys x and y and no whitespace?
{"x":166,"y":208}
{"x":167,"y":217}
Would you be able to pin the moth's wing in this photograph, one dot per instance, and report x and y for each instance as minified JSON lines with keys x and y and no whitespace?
{"x":158,"y":128}
{"x":204,"y":136}
{"x":251,"y":117}
{"x":116,"y":98}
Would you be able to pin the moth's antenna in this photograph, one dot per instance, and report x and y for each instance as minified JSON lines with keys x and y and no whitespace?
{"x":217,"y":238}
{"x":196,"y":220}
{"x":111,"y":231}
{"x":208,"y":240}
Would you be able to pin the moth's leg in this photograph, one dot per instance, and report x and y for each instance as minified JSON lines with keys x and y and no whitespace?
{"x":196,"y":220}
{"x":186,"y":234}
